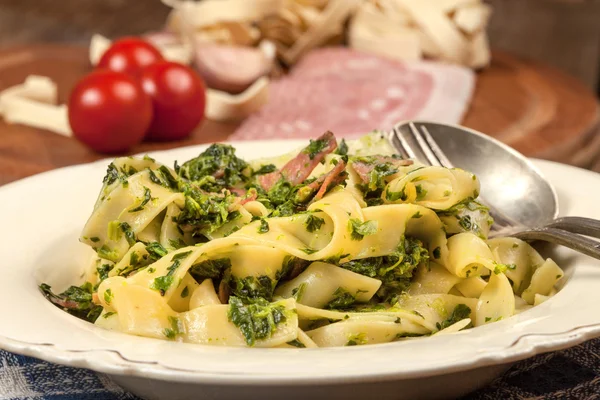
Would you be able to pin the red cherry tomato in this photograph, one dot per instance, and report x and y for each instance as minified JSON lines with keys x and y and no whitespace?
{"x":129,"y":55}
{"x":109,"y":111}
{"x":178,"y":98}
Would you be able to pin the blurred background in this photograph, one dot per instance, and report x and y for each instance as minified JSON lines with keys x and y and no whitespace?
{"x":526,"y":72}
{"x":563,"y":33}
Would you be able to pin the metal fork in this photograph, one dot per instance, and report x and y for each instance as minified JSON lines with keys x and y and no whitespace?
{"x":567,"y":232}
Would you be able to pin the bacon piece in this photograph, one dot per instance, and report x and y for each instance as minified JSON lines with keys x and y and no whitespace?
{"x":363,"y":169}
{"x":245,"y":196}
{"x":237,"y":191}
{"x":68,"y":304}
{"x":327,"y":181}
{"x":269,"y":180}
{"x":251,"y":195}
{"x":300,"y":167}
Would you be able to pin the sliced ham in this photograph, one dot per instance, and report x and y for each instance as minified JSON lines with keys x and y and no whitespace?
{"x":300,"y":167}
{"x":352,"y":93}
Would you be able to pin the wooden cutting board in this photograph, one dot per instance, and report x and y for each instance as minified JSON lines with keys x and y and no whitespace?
{"x":538,"y":110}
{"x":534,"y":108}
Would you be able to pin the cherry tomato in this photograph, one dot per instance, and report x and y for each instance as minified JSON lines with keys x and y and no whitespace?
{"x":178,"y":98}
{"x":129,"y":55}
{"x":109,"y":111}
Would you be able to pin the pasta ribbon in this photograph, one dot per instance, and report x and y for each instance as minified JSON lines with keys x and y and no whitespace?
{"x":309,"y":249}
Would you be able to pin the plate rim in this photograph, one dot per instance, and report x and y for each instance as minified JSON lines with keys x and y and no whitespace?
{"x":101,"y":360}
{"x":154,"y":370}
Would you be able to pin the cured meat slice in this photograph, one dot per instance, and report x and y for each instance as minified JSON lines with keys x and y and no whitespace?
{"x":300,"y":167}
{"x":269,"y":180}
{"x":331,"y":179}
{"x":352,"y":93}
{"x":245,"y":196}
{"x":364,"y":168}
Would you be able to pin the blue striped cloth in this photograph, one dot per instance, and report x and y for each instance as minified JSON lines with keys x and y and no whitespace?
{"x":569,"y":374}
{"x":26,"y":378}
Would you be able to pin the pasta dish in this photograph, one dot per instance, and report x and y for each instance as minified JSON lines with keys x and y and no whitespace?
{"x":336,"y":244}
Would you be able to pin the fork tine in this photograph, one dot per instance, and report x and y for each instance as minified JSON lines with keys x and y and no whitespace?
{"x":440,"y":155}
{"x":393,"y":138}
{"x":424,"y":146}
{"x":402,"y":145}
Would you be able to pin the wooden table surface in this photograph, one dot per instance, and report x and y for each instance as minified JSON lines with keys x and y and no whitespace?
{"x":536,"y":109}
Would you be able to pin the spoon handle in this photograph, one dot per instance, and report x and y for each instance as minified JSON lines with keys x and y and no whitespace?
{"x":571,"y":240}
{"x":581,"y":225}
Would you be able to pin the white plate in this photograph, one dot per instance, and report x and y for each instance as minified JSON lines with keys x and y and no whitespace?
{"x":43,"y":215}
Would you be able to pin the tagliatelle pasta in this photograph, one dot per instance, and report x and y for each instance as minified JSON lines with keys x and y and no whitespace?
{"x":335,"y":245}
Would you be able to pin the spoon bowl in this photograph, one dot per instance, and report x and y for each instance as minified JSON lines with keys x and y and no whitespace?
{"x":509,"y":181}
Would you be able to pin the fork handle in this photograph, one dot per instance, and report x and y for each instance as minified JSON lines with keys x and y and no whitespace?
{"x":561,"y":237}
{"x":581,"y":225}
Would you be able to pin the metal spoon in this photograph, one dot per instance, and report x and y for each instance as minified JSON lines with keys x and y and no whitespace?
{"x":523,"y":200}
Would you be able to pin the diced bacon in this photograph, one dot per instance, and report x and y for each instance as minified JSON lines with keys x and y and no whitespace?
{"x":363,"y":169}
{"x":237,"y":200}
{"x":237,"y":191}
{"x":243,"y":198}
{"x":327,"y":181}
{"x":300,"y":167}
{"x":251,"y":195}
{"x":269,"y":180}
{"x":68,"y":304}
{"x":336,"y":177}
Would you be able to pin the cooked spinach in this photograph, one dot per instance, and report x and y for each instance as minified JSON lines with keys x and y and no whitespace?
{"x":342,"y":300}
{"x":218,"y":162}
{"x":315,"y":147}
{"x":313,"y":223}
{"x":460,"y":312}
{"x":163,"y":283}
{"x":76,"y":300}
{"x":252,"y":287}
{"x":257,"y":320}
{"x":210,"y":269}
{"x":394,"y":270}
{"x":144,"y":200}
{"x":359,"y":229}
